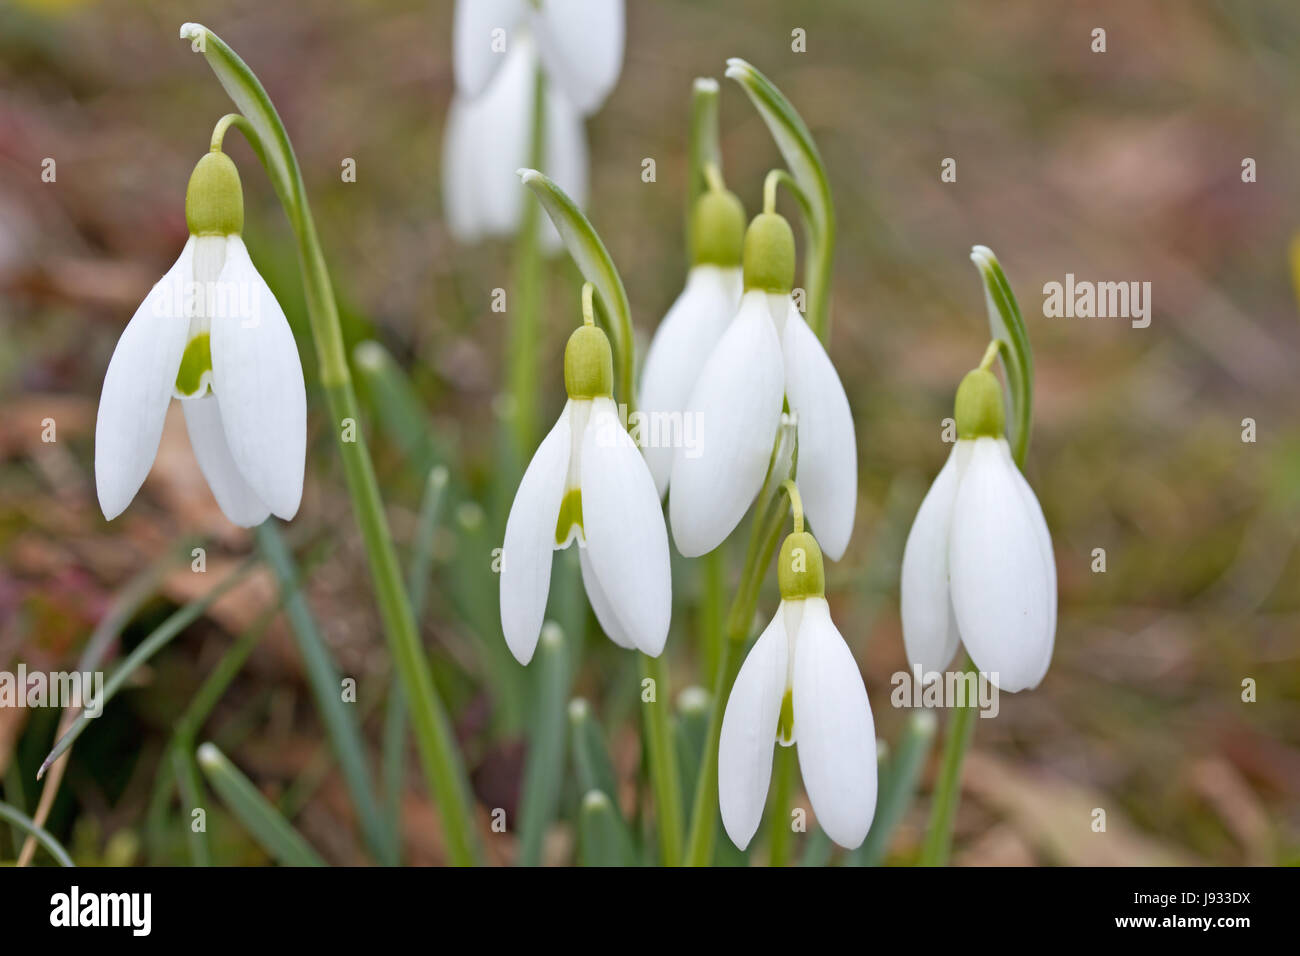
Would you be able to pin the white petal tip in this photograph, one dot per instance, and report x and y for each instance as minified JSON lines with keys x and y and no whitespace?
{"x":527,"y":175}
{"x":191,"y":30}
{"x":706,"y":84}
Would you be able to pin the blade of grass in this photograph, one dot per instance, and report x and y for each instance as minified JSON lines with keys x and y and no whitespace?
{"x":545,"y":763}
{"x":602,"y":838}
{"x":271,"y":831}
{"x":898,"y":778}
{"x":38,"y":833}
{"x":190,"y":788}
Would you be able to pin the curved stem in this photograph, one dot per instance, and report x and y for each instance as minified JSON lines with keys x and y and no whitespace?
{"x":443,"y":765}
{"x":42,"y":836}
{"x":227,"y":121}
{"x":588,"y":307}
{"x":990,"y":354}
{"x":796,"y":504}
{"x":947,"y":791}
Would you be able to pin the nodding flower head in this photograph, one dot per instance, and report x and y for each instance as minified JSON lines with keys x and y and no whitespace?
{"x":978,"y":567}
{"x":587,"y":483}
{"x":212,"y":335}
{"x":766,"y":359}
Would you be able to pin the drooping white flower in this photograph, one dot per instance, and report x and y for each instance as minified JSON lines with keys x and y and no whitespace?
{"x":978,"y":567}
{"x":501,"y":47}
{"x":211,"y":334}
{"x":766,"y":358}
{"x":687,"y":335}
{"x":588,"y":483}
{"x":799,"y":686}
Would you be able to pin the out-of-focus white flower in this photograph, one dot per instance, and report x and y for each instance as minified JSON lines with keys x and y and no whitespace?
{"x":687,"y":335}
{"x":588,"y":483}
{"x":767,"y":357}
{"x":211,"y":334}
{"x":800,"y":685}
{"x":502,"y":50}
{"x":978,"y":568}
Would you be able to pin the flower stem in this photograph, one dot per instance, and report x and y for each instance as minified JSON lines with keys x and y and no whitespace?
{"x":947,"y":792}
{"x":779,"y":840}
{"x":526,"y":307}
{"x":227,"y":121}
{"x":664,"y":772}
{"x":442,"y":761}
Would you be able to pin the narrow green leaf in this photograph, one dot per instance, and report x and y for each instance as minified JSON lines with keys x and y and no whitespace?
{"x":800,"y":153}
{"x":544,"y":768}
{"x":271,"y":830}
{"x":151,"y":645}
{"x":603,"y":840}
{"x":898,"y":780}
{"x":398,"y":410}
{"x":25,"y":823}
{"x":692,"y":736}
{"x":190,"y":788}
{"x":591,"y":762}
{"x":326,"y":687}
{"x":593,"y":260}
{"x":1008,"y":327}
{"x":817,"y":849}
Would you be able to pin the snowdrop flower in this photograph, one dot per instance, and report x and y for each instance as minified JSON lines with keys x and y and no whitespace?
{"x":692,"y":327}
{"x":800,"y":684}
{"x":503,"y":50}
{"x":978,"y":567}
{"x":766,"y":358}
{"x":588,"y":483}
{"x":211,"y":334}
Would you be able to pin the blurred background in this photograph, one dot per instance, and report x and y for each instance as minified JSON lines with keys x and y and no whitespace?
{"x":1123,"y":165}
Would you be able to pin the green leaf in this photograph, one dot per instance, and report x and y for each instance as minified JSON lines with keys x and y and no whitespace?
{"x":591,"y":762}
{"x":593,"y":260}
{"x":266,"y":825}
{"x":603,"y":840}
{"x":802,"y":157}
{"x":1008,"y":327}
{"x":545,"y":765}
{"x":702,"y":148}
{"x":397,"y":407}
{"x":25,"y":823}
{"x":898,"y":779}
{"x":323,"y":677}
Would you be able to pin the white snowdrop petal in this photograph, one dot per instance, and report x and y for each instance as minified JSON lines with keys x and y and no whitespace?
{"x":748,"y":734}
{"x":627,"y":541}
{"x":605,"y":616}
{"x":999,"y":582}
{"x":257,"y":379}
{"x":679,"y":349}
{"x":477,"y":54}
{"x":834,"y":730}
{"x":137,"y":387}
{"x":929,"y":628}
{"x":460,"y":172}
{"x":581,"y":45}
{"x":1034,"y":513}
{"x":237,"y":501}
{"x":736,"y":407}
{"x":828,"y":451}
{"x":529,"y":544}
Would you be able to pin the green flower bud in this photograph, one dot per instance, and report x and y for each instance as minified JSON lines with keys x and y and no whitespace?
{"x":589,"y":364}
{"x":979,"y":411}
{"x":799,"y":570}
{"x":214,"y":200}
{"x":769,"y":254}
{"x":717,"y":229}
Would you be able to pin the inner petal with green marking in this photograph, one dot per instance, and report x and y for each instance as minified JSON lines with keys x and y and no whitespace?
{"x":194,"y":377}
{"x":785,"y":722}
{"x":569,"y":525}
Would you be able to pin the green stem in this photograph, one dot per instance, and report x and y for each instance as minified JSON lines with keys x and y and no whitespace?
{"x":703,"y":152}
{"x":443,"y":766}
{"x":526,"y":307}
{"x":664,"y":772}
{"x":42,"y":836}
{"x":782,"y":786}
{"x":947,"y":792}
{"x":715,"y":570}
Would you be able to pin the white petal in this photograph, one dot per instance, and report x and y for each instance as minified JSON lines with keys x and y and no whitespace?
{"x":238,"y":502}
{"x":627,"y":541}
{"x":582,"y":46}
{"x":828,"y":450}
{"x":609,"y":622}
{"x":137,"y":387}
{"x":475,"y":60}
{"x":565,"y":151}
{"x":1003,"y":585}
{"x":748,"y":734}
{"x":1029,"y":502}
{"x":257,"y":379}
{"x":736,"y":407}
{"x":679,"y":349}
{"x":833,"y":726}
{"x":530,"y":541}
{"x":487,"y":139}
{"x":929,"y":628}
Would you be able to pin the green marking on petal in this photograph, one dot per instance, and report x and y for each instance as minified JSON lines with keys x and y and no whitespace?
{"x":194,"y":363}
{"x":785,"y":723}
{"x":570,"y":517}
